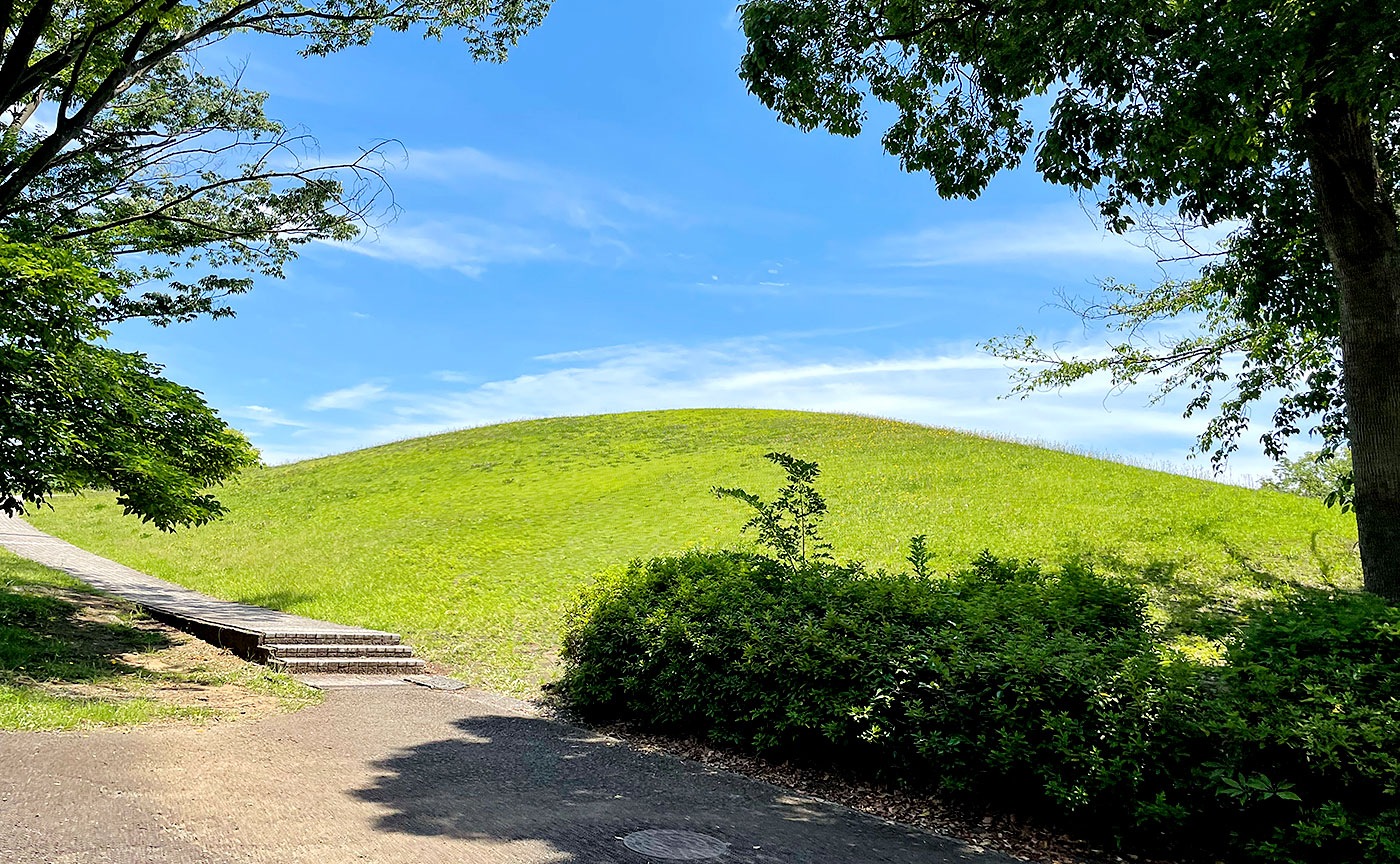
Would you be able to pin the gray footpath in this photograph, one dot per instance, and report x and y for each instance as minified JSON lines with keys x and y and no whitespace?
{"x":409,"y":774}
{"x":394,"y":773}
{"x":155,"y":594}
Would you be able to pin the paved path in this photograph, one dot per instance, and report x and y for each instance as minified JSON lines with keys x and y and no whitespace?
{"x":406,"y":774}
{"x":388,"y":774}
{"x":164,"y":597}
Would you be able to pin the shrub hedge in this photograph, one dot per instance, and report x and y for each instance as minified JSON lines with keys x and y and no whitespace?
{"x":1040,"y":692}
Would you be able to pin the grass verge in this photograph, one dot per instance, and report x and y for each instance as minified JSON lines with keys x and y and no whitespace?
{"x":72,"y":657}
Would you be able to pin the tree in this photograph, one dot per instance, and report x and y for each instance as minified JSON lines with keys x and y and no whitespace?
{"x":135,"y":184}
{"x":789,"y":524}
{"x":1283,"y":117}
{"x":77,"y":413}
{"x":1314,"y":476}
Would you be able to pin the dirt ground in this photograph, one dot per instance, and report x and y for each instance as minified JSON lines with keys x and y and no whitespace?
{"x":175,"y":670}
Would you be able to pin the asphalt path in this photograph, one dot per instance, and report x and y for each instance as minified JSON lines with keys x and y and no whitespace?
{"x":408,"y":774}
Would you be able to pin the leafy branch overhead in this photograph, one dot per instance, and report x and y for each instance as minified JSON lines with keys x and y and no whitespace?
{"x":1276,"y":122}
{"x":149,"y":154}
{"x":76,"y":412}
{"x":788,"y":524}
{"x":137,"y":184}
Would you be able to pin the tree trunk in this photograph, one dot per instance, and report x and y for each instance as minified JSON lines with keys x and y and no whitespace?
{"x":1358,"y":221}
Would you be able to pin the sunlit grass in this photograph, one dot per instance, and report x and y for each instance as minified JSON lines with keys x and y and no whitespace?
{"x":471,"y":544}
{"x":29,"y":709}
{"x":71,"y":657}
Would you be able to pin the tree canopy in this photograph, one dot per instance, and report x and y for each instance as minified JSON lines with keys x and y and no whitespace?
{"x":1280,"y":118}
{"x":137,"y":185}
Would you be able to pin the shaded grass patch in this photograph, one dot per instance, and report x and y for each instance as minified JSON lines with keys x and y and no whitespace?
{"x":74,"y":657}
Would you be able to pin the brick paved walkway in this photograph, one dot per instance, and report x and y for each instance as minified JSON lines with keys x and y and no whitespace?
{"x":157,"y":595}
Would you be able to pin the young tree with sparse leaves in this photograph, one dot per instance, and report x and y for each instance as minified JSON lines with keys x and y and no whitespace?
{"x":137,"y":185}
{"x":1281,"y":117}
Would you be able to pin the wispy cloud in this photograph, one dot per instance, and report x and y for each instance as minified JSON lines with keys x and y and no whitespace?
{"x":261,"y":415}
{"x":604,"y":352}
{"x":854,"y":288}
{"x":349,"y":398}
{"x":957,"y":388}
{"x":450,"y":376}
{"x":459,"y":164}
{"x":831,"y":372}
{"x":468,"y":166}
{"x":1067,"y":235}
{"x":521,"y":211}
{"x":465,"y":245}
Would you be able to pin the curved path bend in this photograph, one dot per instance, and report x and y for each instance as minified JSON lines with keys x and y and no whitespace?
{"x":393,"y":774}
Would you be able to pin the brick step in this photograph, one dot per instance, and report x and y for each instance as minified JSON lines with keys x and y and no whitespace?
{"x":330,"y":649}
{"x":332,"y":638}
{"x":354,"y":665}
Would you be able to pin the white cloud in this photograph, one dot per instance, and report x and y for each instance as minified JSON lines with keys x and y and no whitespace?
{"x":451,"y":377}
{"x":788,"y":289}
{"x":830,"y":372}
{"x":579,"y":201}
{"x":455,"y":164}
{"x":466,"y":246}
{"x":577,"y":197}
{"x":522,"y":212}
{"x":349,"y":398}
{"x":601,"y":353}
{"x":262,"y":416}
{"x":1064,"y":235}
{"x":1067,"y":235}
{"x":958,"y":388}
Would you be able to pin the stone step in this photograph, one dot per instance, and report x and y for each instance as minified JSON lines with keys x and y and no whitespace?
{"x":332,"y":637}
{"x":334,"y":649}
{"x":353,"y":665}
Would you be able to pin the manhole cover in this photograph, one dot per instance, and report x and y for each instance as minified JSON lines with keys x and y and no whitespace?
{"x":675,"y":845}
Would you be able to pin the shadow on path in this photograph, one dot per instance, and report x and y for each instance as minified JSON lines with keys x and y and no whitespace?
{"x":520,"y":778}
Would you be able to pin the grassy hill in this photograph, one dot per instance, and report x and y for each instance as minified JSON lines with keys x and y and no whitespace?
{"x":472,"y":543}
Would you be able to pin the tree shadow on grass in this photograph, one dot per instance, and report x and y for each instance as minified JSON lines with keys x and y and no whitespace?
{"x":573,"y":795}
{"x":46,"y":639}
{"x":1192,"y":606}
{"x":279,"y":600}
{"x":1212,"y":606}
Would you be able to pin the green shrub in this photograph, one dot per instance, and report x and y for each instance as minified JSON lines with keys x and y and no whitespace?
{"x":1310,"y":736}
{"x":1001,"y":672}
{"x":1043,"y":693}
{"x":1040,"y":692}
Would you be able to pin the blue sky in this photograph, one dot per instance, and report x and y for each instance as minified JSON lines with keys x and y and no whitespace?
{"x":609,"y":222}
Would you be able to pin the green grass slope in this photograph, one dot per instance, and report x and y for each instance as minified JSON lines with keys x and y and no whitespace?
{"x":471,"y":544}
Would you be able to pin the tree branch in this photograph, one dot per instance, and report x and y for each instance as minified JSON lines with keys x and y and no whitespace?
{"x":18,"y":54}
{"x":163,"y":210}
